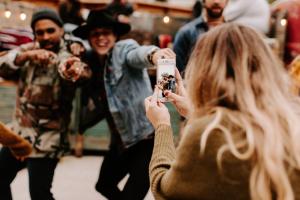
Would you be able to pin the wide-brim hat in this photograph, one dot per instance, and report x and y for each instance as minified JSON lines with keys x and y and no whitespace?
{"x":99,"y":19}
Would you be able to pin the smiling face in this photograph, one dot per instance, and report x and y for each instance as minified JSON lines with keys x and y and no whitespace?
{"x":102,"y":40}
{"x":48,"y":34}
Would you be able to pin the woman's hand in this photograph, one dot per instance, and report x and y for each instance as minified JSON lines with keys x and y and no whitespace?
{"x":156,"y":111}
{"x":179,"y":99}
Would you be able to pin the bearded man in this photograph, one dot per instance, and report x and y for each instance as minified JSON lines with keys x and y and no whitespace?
{"x":187,"y":35}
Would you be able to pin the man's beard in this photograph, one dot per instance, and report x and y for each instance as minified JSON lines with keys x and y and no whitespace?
{"x":212,"y":14}
{"x":54,"y":48}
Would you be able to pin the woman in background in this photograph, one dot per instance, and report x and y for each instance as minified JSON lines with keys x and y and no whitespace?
{"x":242,"y":136}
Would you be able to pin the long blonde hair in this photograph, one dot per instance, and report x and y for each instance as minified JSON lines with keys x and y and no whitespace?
{"x":231,"y":69}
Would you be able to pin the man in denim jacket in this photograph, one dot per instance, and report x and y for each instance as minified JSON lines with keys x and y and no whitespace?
{"x":116,"y":92}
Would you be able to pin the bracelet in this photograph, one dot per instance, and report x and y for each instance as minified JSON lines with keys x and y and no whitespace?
{"x":150,"y":56}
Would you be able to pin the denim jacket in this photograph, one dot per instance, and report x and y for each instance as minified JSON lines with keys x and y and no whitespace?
{"x":186,"y":39}
{"x":127,"y":84}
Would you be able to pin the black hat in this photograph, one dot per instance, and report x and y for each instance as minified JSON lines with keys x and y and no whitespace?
{"x":99,"y":19}
{"x":46,"y":13}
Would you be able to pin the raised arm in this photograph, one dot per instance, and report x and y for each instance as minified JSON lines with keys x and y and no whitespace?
{"x":140,"y":57}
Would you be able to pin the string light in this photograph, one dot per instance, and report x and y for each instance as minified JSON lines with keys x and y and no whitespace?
{"x":7,"y":13}
{"x":166,"y":19}
{"x":23,"y":16}
{"x":283,"y":22}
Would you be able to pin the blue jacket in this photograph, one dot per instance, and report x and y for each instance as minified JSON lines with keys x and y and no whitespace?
{"x":186,"y":39}
{"x":127,"y":84}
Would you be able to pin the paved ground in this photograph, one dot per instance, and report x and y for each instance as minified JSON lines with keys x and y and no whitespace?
{"x":74,"y":179}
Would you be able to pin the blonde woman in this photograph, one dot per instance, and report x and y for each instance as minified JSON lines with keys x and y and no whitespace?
{"x":242,"y":136}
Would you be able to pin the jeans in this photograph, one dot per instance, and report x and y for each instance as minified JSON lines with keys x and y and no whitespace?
{"x":116,"y":165}
{"x":40,"y":171}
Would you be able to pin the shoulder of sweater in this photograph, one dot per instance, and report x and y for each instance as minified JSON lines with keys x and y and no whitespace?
{"x":199,"y":125}
{"x":191,"y":144}
{"x":194,"y":130}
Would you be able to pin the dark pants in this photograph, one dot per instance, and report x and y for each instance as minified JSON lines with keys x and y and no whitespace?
{"x":116,"y":165}
{"x":40,"y":170}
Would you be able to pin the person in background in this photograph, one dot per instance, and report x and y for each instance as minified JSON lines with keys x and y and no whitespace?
{"x":187,"y":35}
{"x":242,"y":136}
{"x":47,"y":76}
{"x":19,"y":147}
{"x":70,"y":12}
{"x":71,"y":15}
{"x":197,"y":9}
{"x":116,"y":92}
{"x":120,"y":10}
{"x":120,"y":7}
{"x":255,"y":13}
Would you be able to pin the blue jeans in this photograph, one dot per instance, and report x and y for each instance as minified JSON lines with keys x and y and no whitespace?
{"x":40,"y":171}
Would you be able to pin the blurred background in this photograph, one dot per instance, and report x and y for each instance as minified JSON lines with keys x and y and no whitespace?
{"x":153,"y":22}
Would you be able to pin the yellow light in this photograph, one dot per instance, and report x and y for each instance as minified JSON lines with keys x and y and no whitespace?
{"x":166,"y":19}
{"x":283,"y":22}
{"x":7,"y":13}
{"x":23,"y":16}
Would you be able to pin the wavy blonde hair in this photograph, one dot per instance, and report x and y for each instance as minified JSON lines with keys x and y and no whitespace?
{"x":235,"y":74}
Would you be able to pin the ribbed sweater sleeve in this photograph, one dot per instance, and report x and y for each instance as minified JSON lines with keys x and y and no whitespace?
{"x":162,"y":157}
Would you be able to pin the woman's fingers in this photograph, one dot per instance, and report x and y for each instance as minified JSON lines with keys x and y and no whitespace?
{"x":171,"y":96}
{"x":155,"y":95}
{"x":177,"y":75}
{"x":147,"y":102}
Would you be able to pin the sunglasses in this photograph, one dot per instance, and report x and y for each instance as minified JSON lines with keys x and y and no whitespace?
{"x":42,"y":32}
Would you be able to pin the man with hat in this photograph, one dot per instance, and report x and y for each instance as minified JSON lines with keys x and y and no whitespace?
{"x":116,"y":92}
{"x":46,"y":73}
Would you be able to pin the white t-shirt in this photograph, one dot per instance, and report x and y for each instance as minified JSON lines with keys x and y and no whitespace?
{"x":253,"y":13}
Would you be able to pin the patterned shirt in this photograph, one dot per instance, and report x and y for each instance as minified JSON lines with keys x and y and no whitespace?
{"x":44,"y":101}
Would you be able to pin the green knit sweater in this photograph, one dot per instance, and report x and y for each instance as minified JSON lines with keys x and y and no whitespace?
{"x":185,"y":174}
